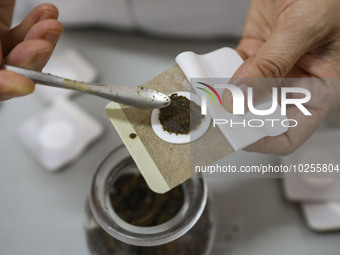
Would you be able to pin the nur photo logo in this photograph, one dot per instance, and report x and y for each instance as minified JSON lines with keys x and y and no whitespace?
{"x":279,"y":97}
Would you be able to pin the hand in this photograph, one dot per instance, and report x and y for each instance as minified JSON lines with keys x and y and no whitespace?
{"x":28,"y":45}
{"x":292,"y":38}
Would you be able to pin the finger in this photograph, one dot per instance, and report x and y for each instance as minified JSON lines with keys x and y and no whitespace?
{"x":49,"y":30}
{"x":16,"y":35}
{"x":323,"y":61}
{"x":14,"y":85}
{"x":288,"y":142}
{"x":247,"y":48}
{"x":271,"y":62}
{"x":6,"y":12}
{"x":31,"y":54}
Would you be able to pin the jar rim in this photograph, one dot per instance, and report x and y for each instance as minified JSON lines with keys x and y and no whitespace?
{"x":195,"y":191}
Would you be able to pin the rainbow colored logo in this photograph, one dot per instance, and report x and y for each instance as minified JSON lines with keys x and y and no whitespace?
{"x":209,"y":93}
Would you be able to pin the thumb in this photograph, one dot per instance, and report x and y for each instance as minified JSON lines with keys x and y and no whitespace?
{"x":12,"y":84}
{"x":265,"y":69}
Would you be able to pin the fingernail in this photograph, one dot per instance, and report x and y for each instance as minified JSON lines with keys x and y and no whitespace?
{"x":52,"y":36}
{"x":47,"y":14}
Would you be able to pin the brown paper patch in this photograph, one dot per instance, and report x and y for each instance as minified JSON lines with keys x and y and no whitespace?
{"x":165,"y":165}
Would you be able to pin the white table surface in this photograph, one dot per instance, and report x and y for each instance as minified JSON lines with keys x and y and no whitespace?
{"x":42,"y":212}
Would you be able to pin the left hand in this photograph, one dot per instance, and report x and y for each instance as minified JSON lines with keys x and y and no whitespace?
{"x":29,"y":45}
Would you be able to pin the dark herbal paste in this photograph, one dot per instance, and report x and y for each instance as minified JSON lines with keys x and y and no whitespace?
{"x":135,"y":203}
{"x":132,"y":135}
{"x":181,"y":116}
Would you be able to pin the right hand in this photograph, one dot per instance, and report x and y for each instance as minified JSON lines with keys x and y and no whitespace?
{"x":296,"y":39}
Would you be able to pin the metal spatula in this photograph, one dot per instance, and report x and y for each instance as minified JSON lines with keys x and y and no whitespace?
{"x":134,"y":96}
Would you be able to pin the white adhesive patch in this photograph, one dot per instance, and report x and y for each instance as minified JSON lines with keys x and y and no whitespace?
{"x":322,"y":216}
{"x":57,"y":135}
{"x":317,"y":163}
{"x":69,"y":64}
{"x":193,"y":135}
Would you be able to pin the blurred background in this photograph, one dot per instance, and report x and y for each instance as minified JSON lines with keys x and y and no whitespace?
{"x":42,"y":209}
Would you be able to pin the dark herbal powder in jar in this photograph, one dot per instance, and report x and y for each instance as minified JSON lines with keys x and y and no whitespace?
{"x":124,"y":217}
{"x":194,"y":242}
{"x":181,"y":116}
{"x":135,"y":203}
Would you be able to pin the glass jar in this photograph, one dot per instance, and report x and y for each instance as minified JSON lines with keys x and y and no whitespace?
{"x":188,"y":231}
